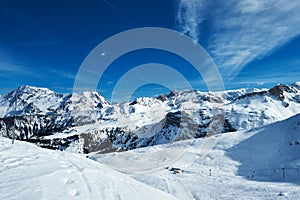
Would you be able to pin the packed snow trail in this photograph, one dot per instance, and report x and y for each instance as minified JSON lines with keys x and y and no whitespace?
{"x":29,"y":172}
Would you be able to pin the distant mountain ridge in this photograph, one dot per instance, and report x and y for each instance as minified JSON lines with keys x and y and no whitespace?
{"x":89,"y":122}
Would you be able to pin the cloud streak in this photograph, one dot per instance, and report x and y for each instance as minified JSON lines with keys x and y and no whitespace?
{"x":8,"y":67}
{"x":63,"y":74}
{"x":190,"y":16}
{"x":240,"y":31}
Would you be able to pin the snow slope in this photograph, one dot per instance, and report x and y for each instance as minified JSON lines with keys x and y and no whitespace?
{"x":244,"y":164}
{"x":29,"y":172}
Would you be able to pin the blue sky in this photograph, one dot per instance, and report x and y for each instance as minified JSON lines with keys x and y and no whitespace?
{"x":254,"y":43}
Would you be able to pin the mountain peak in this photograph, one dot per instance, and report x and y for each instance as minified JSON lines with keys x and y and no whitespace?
{"x":297,"y":84}
{"x":31,"y":89}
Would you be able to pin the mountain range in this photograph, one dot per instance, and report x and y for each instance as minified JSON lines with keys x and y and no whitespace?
{"x":87,"y":122}
{"x":263,"y":163}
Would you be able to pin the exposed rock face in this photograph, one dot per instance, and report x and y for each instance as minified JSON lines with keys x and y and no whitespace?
{"x":277,"y":91}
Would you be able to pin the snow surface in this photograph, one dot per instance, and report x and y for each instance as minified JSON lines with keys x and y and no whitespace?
{"x":260,"y":164}
{"x":29,"y":172}
{"x":244,"y":165}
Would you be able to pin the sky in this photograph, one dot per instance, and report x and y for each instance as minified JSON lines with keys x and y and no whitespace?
{"x":254,"y":43}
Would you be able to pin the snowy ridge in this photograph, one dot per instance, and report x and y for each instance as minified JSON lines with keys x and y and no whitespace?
{"x":95,"y":125}
{"x":42,"y":101}
{"x":40,"y":111}
{"x":193,"y":114}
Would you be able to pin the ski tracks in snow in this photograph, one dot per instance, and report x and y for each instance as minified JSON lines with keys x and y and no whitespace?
{"x":28,"y":172}
{"x":176,"y":188}
{"x":75,"y":174}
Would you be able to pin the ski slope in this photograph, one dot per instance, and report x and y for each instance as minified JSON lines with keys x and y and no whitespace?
{"x":243,"y":165}
{"x":236,"y":165}
{"x":29,"y":172}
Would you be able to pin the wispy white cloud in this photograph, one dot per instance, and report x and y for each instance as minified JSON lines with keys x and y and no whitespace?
{"x":13,"y":69}
{"x":190,"y":16}
{"x":9,"y":67}
{"x":286,"y":74}
{"x":63,"y":74}
{"x":241,"y":31}
{"x":110,"y":5}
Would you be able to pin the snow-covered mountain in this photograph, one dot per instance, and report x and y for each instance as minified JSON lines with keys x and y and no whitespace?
{"x":258,"y":164}
{"x":40,"y":111}
{"x":263,"y":163}
{"x":87,"y":122}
